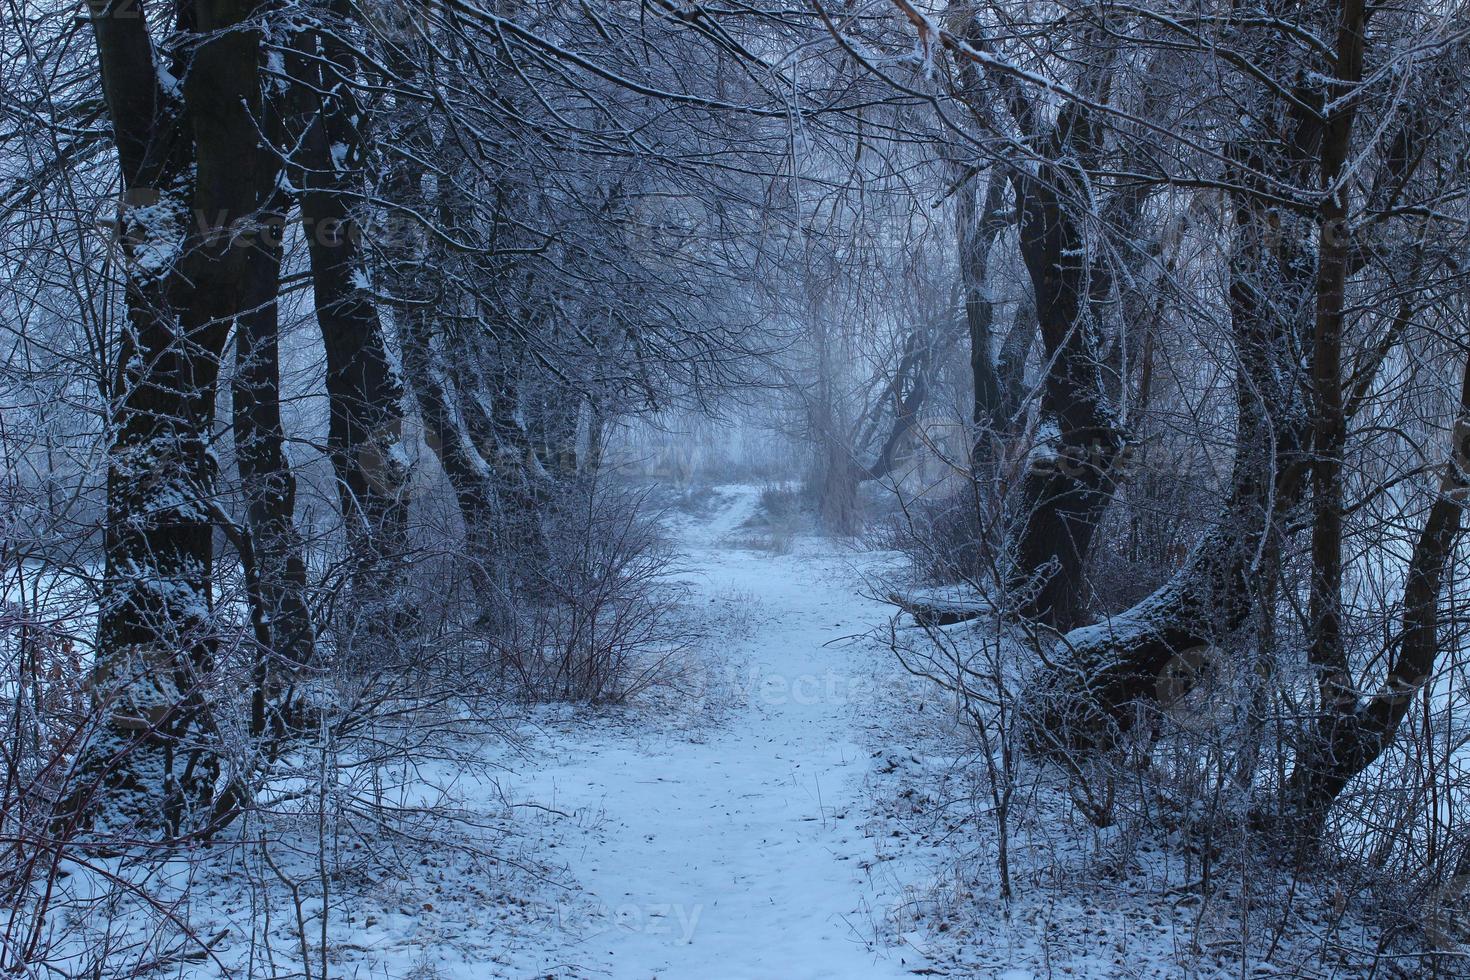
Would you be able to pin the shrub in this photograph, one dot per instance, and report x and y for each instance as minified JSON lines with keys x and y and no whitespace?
{"x":599,"y":621}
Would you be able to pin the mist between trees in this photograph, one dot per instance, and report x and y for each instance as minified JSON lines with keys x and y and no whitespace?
{"x":355,"y":351}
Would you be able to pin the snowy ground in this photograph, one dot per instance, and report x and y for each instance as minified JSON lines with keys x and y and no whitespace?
{"x":718,"y":826}
{"x":734,"y":842}
{"x":791,"y":804}
{"x":814,"y":812}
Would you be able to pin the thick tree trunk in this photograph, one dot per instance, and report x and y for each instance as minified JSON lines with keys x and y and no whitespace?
{"x":187,"y":243}
{"x":154,"y":607}
{"x":1071,"y":480}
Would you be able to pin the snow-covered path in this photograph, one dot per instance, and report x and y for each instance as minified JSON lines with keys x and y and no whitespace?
{"x":739,"y":851}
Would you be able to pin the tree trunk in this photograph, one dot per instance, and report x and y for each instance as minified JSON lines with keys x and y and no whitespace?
{"x":364,"y":392}
{"x":269,"y":488}
{"x":187,"y":242}
{"x":1111,"y":669}
{"x":1070,"y":484}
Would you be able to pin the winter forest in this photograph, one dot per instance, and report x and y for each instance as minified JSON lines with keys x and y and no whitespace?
{"x":734,"y":489}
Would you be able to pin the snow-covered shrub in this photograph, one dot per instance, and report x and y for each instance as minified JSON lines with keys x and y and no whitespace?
{"x":597,"y":618}
{"x":944,"y":538}
{"x":59,"y":896}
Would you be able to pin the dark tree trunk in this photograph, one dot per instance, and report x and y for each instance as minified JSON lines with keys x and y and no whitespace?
{"x":1072,"y":481}
{"x":1070,"y":485}
{"x":365,"y":394}
{"x":1325,"y":650}
{"x":187,"y":242}
{"x":269,"y":488}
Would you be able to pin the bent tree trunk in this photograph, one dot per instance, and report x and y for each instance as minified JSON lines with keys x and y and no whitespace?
{"x":1345,"y":743}
{"x":1109,"y":669}
{"x":1288,"y":274}
{"x":185,"y":233}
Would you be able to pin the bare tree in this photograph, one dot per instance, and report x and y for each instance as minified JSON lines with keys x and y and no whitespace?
{"x":1332,"y":179}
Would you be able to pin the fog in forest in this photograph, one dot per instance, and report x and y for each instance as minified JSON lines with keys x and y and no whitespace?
{"x":662,"y":488}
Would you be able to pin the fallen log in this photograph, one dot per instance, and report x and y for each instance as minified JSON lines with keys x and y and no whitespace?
{"x":937,"y":612}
